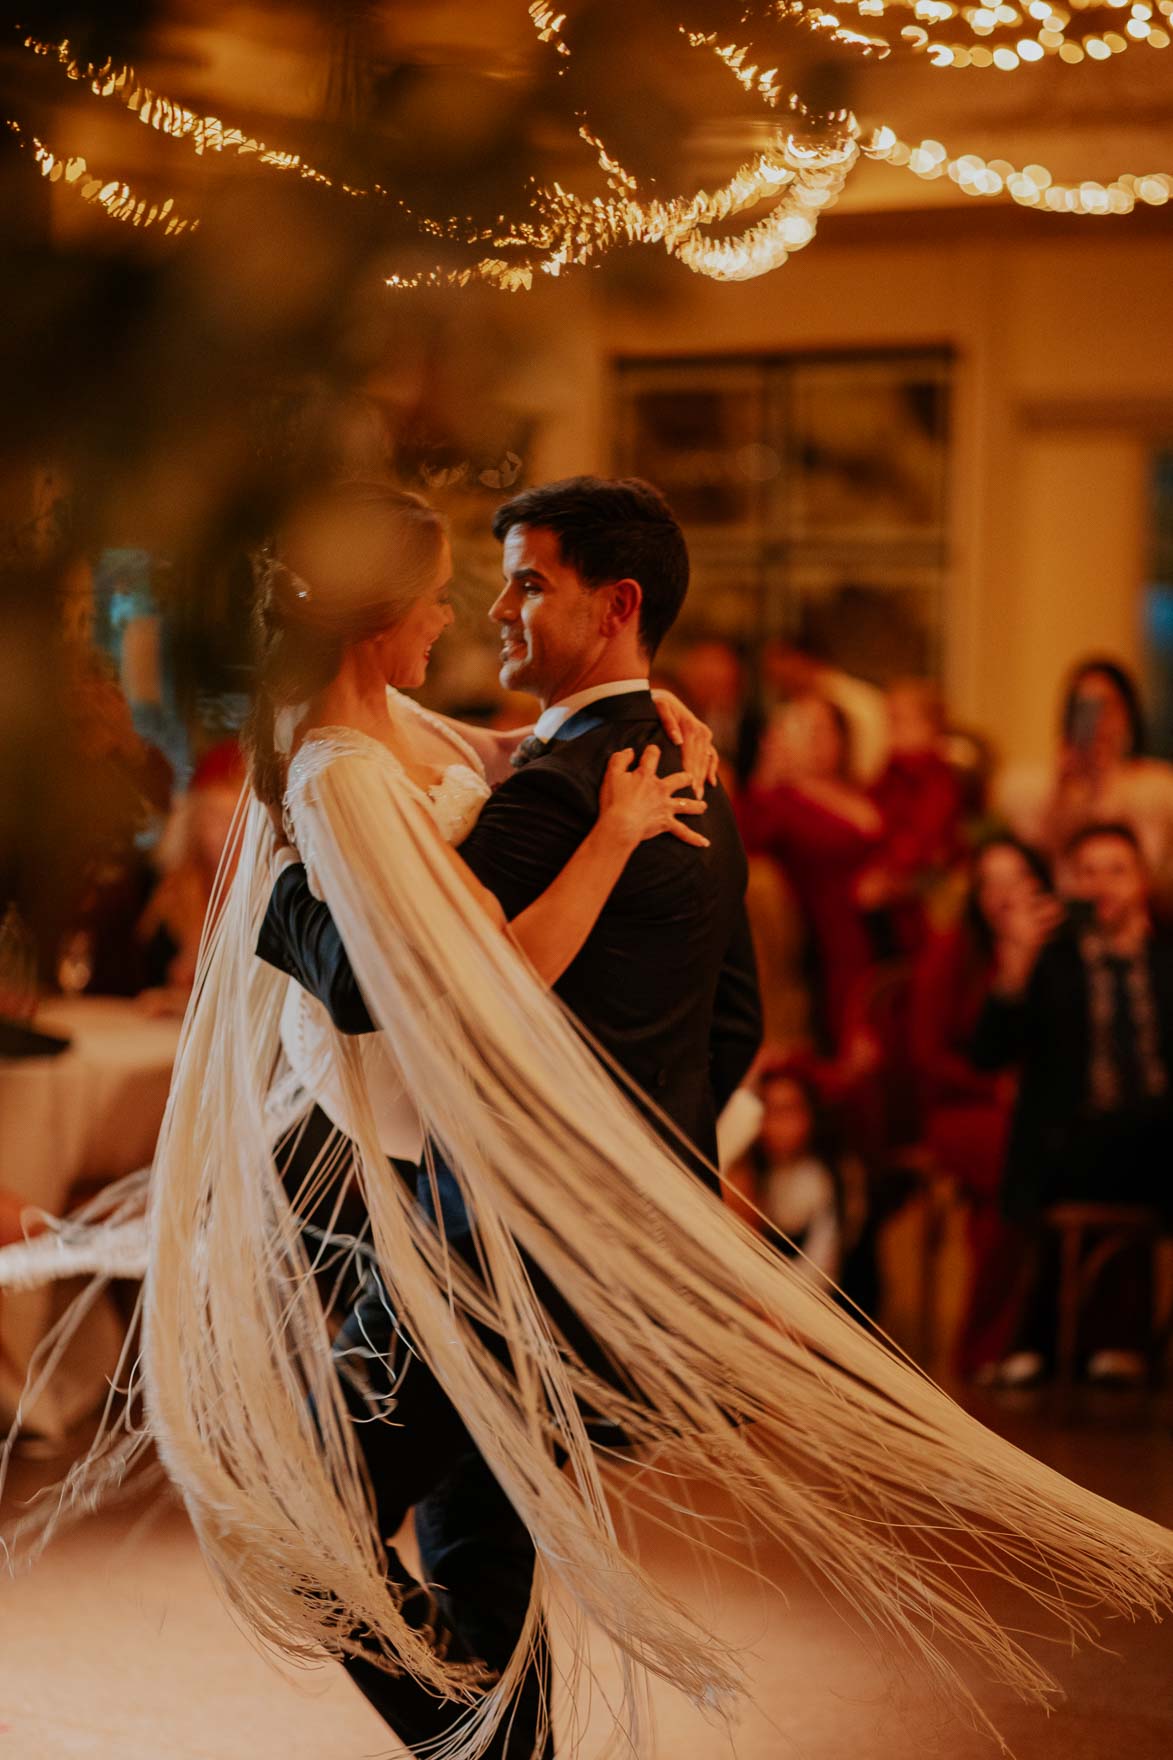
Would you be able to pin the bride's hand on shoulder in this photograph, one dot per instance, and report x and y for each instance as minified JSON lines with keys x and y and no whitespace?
{"x":637,"y":803}
{"x":282,"y":850}
{"x":698,"y":753}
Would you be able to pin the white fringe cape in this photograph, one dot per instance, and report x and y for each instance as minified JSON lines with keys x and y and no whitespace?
{"x":729,"y":1366}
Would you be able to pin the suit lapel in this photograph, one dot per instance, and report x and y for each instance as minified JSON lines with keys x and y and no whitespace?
{"x":631,"y":706}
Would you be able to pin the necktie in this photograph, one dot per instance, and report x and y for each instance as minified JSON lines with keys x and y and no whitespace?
{"x":530,"y":747}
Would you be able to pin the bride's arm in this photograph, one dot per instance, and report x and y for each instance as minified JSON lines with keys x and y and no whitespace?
{"x":493,"y":746}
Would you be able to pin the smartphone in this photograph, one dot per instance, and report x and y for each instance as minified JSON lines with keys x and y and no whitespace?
{"x":1081,"y":914}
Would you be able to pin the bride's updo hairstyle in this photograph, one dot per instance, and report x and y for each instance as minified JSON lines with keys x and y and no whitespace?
{"x":347,"y":562}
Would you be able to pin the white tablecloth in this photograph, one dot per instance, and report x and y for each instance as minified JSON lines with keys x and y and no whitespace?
{"x":88,"y":1116}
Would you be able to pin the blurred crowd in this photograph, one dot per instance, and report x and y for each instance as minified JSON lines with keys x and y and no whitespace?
{"x":967,"y":977}
{"x":966,"y":973}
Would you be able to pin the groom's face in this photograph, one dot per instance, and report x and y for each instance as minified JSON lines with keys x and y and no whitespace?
{"x":550,"y":623}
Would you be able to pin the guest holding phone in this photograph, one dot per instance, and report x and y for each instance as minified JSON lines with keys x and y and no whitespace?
{"x":1085,"y":1011}
{"x":1101,"y":776}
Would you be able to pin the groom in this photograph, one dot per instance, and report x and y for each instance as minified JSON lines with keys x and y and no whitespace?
{"x":596,"y":572}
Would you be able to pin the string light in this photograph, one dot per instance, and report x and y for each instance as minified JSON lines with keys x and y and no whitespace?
{"x":116,"y":199}
{"x":1032,"y":186}
{"x":1019,"y":34}
{"x":802,"y":181}
{"x":204,"y":133}
{"x":800,"y":174}
{"x":1003,"y":36}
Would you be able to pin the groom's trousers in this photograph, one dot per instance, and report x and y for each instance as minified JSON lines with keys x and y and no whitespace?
{"x":476,"y":1554}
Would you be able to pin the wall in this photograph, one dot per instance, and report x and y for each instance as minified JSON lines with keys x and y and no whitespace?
{"x":1064,"y":384}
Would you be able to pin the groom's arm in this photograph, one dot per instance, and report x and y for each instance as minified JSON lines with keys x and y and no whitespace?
{"x":300,"y":938}
{"x":525,"y":836}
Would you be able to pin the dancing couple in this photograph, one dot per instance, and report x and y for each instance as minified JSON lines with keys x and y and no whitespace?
{"x":504,"y":989}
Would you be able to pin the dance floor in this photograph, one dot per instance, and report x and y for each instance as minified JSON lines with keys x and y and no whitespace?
{"x":117,"y":1648}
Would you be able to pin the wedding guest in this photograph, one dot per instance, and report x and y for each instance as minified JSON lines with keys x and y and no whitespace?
{"x":127,"y":790}
{"x":779,"y":938}
{"x":189,"y":856}
{"x":966,"y":1110}
{"x":1101,"y":774}
{"x":787,"y":1183}
{"x":711,"y":678}
{"x":803,"y":808}
{"x":790,"y":671}
{"x":1087,"y":1012}
{"x":919,"y":798}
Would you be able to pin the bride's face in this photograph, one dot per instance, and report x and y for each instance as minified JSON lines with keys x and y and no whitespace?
{"x":405,"y":649}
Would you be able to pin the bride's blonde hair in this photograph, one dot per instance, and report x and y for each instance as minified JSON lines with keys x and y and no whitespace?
{"x":346,"y":562}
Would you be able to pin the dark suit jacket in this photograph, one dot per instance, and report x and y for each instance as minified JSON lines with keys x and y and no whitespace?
{"x":666,"y":981}
{"x":1048,"y":1033}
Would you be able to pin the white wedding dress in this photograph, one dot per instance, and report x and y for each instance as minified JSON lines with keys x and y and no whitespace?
{"x":307,"y":1036}
{"x":729,"y":1366}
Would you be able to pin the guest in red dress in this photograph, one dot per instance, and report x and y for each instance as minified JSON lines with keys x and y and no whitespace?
{"x":919,"y":797}
{"x":967,"y":1110}
{"x":803,"y":809}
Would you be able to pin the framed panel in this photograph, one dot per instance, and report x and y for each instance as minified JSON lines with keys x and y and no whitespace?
{"x":696,"y":431}
{"x":813,"y":492}
{"x":865,"y":450}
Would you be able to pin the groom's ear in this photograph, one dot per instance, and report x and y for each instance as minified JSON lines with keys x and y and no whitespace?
{"x":623,"y":602}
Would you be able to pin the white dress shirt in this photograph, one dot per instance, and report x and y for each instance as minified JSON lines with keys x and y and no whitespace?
{"x":558,"y":714}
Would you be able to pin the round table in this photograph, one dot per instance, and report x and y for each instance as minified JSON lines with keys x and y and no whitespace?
{"x":68,"y":1124}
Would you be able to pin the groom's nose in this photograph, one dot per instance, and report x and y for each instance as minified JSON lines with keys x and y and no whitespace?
{"x":504,"y":606}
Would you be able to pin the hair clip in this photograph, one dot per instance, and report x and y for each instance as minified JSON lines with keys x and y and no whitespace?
{"x":275,"y":576}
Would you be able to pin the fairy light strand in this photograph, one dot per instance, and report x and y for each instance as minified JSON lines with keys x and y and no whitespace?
{"x":115,"y":198}
{"x":1022,"y":34}
{"x":1031,"y":186}
{"x":800,"y":175}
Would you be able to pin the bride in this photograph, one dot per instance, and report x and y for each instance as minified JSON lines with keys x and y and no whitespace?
{"x":719,"y":1363}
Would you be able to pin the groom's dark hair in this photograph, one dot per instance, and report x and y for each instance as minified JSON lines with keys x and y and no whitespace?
{"x":612,"y":529}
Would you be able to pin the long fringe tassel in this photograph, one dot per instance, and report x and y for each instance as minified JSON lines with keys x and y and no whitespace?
{"x":726,"y":1364}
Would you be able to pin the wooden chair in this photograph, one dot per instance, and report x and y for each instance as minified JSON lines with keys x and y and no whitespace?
{"x":1090,"y":1236}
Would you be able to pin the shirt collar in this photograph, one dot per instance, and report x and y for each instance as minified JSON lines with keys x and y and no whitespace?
{"x":552,"y":719}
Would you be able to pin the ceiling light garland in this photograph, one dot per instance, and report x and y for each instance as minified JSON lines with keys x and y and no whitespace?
{"x":117,"y":199}
{"x":1023,"y":33}
{"x":574,"y":232}
{"x":1032,"y":186}
{"x":205,"y":134}
{"x":800,"y":174}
